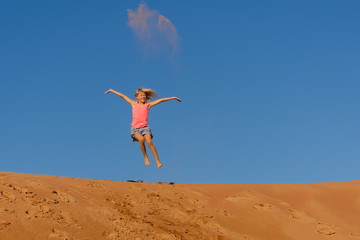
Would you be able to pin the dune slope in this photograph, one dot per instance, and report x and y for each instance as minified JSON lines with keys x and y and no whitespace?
{"x":48,"y":207}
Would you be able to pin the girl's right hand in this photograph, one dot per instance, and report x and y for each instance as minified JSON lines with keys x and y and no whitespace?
{"x":110,"y":90}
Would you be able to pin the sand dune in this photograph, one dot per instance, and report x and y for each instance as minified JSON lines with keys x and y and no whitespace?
{"x":46,"y":207}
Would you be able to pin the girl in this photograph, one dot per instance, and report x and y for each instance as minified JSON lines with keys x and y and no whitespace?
{"x":140,"y":130}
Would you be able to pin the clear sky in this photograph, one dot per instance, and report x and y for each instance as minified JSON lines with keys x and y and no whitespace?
{"x":270,"y":90}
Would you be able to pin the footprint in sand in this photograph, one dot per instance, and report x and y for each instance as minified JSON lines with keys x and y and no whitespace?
{"x":58,"y":234}
{"x":32,"y":214}
{"x":33,"y":199}
{"x":65,"y":219}
{"x":7,"y":196}
{"x":93,"y":184}
{"x":300,"y":216}
{"x":326,"y":229}
{"x":354,"y":235}
{"x":41,"y":211}
{"x":4,"y":224}
{"x":63,"y":197}
{"x":46,"y":209}
{"x":24,"y":193}
{"x":7,"y":211}
{"x":16,"y":188}
{"x":266,"y":206}
{"x":112,"y":236}
{"x":250,"y":197}
{"x":224,"y":212}
{"x":243,"y":196}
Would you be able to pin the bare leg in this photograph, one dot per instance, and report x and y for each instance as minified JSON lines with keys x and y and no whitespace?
{"x":141,"y":140}
{"x":153,"y":149}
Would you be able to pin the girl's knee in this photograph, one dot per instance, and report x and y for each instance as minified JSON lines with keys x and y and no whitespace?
{"x":141,"y":140}
{"x":149,"y":141}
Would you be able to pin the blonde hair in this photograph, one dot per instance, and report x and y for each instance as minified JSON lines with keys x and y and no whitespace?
{"x":150,"y":94}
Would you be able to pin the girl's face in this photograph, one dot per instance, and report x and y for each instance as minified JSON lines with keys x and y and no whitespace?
{"x":141,"y":97}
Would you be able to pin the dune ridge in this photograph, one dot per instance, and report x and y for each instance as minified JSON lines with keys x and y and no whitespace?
{"x":49,"y":207}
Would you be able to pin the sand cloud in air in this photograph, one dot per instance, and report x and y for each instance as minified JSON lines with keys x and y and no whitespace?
{"x":155,"y":32}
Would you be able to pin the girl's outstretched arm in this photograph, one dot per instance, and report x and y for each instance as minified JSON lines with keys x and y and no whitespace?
{"x":156,"y":102}
{"x":128,"y":100}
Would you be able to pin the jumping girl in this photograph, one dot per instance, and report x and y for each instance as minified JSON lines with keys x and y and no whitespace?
{"x":140,"y":130}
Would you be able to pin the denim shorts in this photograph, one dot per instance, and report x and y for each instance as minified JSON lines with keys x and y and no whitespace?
{"x":142,"y":131}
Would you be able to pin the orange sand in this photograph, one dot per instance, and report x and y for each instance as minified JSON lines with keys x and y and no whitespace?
{"x":45,"y":207}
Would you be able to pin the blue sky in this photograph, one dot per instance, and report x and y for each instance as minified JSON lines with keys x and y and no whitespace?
{"x":269,"y":91}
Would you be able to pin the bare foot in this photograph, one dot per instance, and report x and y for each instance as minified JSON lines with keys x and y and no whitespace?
{"x":147,"y":162}
{"x":159,"y":165}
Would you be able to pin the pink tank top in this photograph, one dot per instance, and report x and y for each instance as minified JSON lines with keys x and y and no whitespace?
{"x":140,"y":115}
